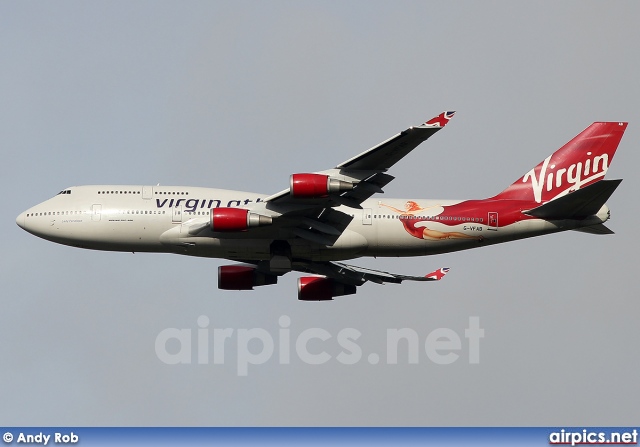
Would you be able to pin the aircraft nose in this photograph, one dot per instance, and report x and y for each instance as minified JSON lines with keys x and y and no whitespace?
{"x":20,"y":220}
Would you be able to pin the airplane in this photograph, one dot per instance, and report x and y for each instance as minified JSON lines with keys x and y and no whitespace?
{"x":326,"y":217}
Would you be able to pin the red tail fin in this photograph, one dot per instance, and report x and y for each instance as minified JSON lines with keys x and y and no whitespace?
{"x":581,"y":162}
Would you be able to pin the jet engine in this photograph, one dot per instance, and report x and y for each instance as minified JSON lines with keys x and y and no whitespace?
{"x":315,"y":186}
{"x":319,"y":288}
{"x":242,"y":277}
{"x":236,"y":219}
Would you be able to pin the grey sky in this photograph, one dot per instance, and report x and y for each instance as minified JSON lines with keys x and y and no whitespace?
{"x":240,"y":95}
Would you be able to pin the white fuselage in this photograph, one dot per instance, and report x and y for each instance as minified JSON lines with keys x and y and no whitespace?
{"x":162,"y":219}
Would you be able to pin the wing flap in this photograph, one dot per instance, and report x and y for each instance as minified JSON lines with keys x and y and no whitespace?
{"x":368,"y":187}
{"x":320,"y":226}
{"x":316,"y":237}
{"x":323,"y":229}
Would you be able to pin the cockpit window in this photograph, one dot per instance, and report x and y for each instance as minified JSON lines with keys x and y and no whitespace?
{"x":66,"y":191}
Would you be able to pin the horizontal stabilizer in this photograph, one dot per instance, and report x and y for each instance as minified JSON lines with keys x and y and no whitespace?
{"x":579,"y":204}
{"x":595,"y":229}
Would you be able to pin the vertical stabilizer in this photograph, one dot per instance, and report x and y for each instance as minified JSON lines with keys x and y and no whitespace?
{"x":581,"y":162}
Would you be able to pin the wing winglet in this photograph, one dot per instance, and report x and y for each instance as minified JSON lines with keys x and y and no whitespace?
{"x":440,"y":120}
{"x":438,"y":274}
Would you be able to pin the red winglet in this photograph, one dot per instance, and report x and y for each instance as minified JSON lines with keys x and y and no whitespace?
{"x":440,"y":120}
{"x":438,"y":274}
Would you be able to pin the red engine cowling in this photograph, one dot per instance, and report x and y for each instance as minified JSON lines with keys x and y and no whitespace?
{"x":319,"y":288}
{"x":236,"y":219}
{"x":242,"y":277}
{"x":314,"y":186}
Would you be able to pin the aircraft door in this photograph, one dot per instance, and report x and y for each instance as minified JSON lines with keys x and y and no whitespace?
{"x":493,"y":221}
{"x":96,"y":212}
{"x":147,"y":192}
{"x":366,"y":216}
{"x":177,"y":214}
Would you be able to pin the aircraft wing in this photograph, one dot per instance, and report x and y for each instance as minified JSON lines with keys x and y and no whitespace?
{"x":307,"y":208}
{"x":388,"y":153}
{"x":360,"y":176}
{"x":353,"y":275}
